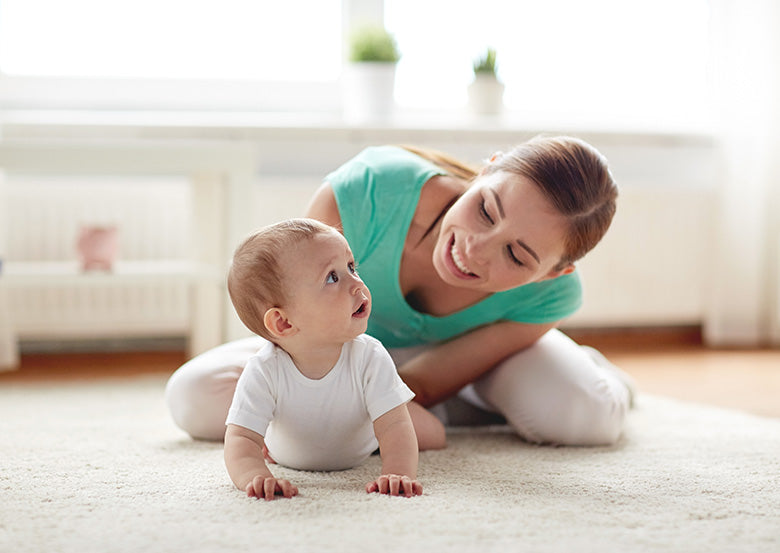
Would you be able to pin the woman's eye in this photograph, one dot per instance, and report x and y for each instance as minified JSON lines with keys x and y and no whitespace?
{"x":484,"y":212}
{"x":513,"y":258}
{"x":332,"y":277}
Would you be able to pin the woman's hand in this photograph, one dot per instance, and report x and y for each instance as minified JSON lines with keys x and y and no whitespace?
{"x":268,"y":487}
{"x":395,"y":484}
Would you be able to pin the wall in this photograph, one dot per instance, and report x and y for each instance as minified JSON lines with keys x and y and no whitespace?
{"x":651,"y":269}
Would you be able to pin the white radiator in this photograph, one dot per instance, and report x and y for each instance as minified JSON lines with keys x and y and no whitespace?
{"x":648,"y":271}
{"x":44,"y":216}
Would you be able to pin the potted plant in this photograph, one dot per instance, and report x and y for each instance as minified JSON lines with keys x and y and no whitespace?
{"x":486,"y":92}
{"x":369,"y":77}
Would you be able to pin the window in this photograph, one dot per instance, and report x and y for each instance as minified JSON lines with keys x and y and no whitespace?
{"x":196,"y":39}
{"x":123,"y":53}
{"x":563,"y":61}
{"x":560,"y":59}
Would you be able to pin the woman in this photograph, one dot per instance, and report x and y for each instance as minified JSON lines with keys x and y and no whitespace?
{"x":470,"y":273}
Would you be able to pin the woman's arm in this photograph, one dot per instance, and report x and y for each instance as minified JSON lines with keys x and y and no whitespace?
{"x":324,"y":208}
{"x":440,"y":372}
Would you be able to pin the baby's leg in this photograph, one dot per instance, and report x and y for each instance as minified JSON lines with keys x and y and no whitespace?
{"x":430,"y":431}
{"x":200,"y":392}
{"x":559,"y":392}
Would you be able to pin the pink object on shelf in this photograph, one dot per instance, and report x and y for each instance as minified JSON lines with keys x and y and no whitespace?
{"x":98,"y":247}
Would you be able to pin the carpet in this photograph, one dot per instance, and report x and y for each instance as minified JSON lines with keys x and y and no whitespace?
{"x":99,"y":467}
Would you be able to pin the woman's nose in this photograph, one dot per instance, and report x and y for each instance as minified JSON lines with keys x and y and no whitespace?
{"x":476,"y":247}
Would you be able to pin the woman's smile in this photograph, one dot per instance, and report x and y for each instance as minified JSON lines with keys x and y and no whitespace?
{"x":456,"y":263}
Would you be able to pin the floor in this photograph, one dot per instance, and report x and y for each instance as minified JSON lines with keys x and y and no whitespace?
{"x":675,"y":363}
{"x":670,"y":362}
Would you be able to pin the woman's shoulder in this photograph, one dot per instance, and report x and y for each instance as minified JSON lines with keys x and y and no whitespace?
{"x":386,"y":164}
{"x":442,"y":188}
{"x":386,"y":157}
{"x":436,"y":195}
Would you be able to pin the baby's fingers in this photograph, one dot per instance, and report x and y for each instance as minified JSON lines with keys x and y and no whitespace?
{"x":406,"y":486}
{"x":287,"y":489}
{"x":268,"y":488}
{"x":255,"y":488}
{"x":380,"y":485}
{"x":416,"y":487}
{"x":250,"y":490}
{"x":395,"y":484}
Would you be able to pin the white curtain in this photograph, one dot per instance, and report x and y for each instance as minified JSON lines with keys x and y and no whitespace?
{"x":9,"y":354}
{"x":745,"y":302}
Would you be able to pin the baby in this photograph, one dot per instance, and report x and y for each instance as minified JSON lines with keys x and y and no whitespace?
{"x":321,"y":394}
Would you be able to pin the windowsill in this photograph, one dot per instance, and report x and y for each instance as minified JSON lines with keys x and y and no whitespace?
{"x":239,"y":125}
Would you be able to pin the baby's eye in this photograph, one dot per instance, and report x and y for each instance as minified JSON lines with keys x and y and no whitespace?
{"x":332,"y":277}
{"x":352,"y":268}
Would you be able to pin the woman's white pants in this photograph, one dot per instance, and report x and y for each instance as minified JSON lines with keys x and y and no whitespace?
{"x":555,"y":391}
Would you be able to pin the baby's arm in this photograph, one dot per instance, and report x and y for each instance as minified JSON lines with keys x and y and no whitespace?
{"x":398,"y":448}
{"x":247,"y":468}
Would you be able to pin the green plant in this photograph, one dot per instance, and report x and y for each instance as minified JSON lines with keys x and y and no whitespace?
{"x":373,"y":43}
{"x":486,"y":64}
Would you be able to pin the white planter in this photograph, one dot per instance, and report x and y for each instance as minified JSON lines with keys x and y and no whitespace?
{"x":368,"y":92}
{"x":486,"y":95}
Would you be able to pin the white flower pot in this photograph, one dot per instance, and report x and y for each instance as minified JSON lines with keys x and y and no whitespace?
{"x":368,"y":92}
{"x":486,"y":95}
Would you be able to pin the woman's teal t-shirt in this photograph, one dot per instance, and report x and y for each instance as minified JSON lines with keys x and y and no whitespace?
{"x":377,"y":194}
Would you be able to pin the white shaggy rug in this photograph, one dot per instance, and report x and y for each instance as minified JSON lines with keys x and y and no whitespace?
{"x":99,"y":467}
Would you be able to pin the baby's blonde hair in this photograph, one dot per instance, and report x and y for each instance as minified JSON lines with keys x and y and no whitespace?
{"x":254,"y":280}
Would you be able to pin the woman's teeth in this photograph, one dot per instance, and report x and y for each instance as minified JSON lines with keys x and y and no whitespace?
{"x":458,"y":261}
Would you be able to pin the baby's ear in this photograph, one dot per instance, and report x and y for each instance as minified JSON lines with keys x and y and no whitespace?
{"x":277,"y":323}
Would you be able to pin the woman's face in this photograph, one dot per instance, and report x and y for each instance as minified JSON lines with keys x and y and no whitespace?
{"x":502,"y":233}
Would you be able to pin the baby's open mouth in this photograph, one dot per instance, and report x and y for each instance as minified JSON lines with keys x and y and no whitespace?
{"x":360,"y":310}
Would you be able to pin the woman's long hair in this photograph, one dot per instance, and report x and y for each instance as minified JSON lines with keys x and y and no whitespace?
{"x":572,"y":175}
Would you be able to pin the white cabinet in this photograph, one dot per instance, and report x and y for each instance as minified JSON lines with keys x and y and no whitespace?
{"x":221,"y":174}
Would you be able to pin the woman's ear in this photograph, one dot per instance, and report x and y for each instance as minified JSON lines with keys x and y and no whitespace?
{"x":556,"y":272}
{"x":277,"y":323}
{"x":492,"y":159}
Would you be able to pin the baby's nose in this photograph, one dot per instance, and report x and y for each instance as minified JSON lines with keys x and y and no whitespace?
{"x":357,"y":286}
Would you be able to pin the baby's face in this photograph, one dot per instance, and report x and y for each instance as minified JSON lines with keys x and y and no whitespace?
{"x":326,"y":299}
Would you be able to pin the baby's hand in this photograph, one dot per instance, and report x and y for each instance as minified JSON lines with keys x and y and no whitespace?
{"x":395,"y":484}
{"x":269,"y":487}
